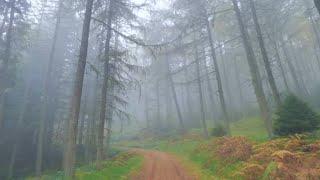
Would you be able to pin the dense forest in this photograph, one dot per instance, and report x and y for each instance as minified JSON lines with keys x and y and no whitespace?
{"x":160,"y":89}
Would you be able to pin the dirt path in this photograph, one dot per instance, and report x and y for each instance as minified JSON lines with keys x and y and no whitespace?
{"x":161,"y":166}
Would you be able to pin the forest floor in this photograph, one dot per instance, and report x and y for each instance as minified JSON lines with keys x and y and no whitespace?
{"x":248,"y":154}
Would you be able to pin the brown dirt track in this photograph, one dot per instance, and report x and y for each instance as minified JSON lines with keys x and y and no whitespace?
{"x":161,"y":166}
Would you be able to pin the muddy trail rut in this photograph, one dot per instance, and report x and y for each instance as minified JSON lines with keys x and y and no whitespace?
{"x":162,"y":166}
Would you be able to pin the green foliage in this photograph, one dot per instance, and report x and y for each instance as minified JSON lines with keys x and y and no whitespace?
{"x":271,"y":167}
{"x":113,"y":169}
{"x":218,"y":131}
{"x":295,"y":116}
{"x":252,"y":128}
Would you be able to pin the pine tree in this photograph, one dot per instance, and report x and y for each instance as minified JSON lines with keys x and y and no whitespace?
{"x":295,"y":116}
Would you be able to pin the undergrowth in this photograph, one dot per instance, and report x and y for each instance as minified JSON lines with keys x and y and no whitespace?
{"x":120,"y":167}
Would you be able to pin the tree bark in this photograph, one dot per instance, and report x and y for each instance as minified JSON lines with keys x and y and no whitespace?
{"x":46,"y":88}
{"x":218,"y":77}
{"x":91,"y":129}
{"x":146,"y":105}
{"x":202,"y":111}
{"x":211,"y":95}
{"x":282,"y":71}
{"x":291,"y":68}
{"x":239,"y":85}
{"x":267,"y":65}
{"x":4,"y":76}
{"x":255,"y":74}
{"x":103,"y":105}
{"x":226,"y":82}
{"x":174,"y":94}
{"x":19,"y":127}
{"x":158,"y":102}
{"x":317,"y":4}
{"x":83,"y":118}
{"x":69,"y":155}
{"x":187,"y":88}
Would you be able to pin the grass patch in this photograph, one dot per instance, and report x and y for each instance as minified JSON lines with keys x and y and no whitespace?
{"x":252,"y":128}
{"x":113,"y":169}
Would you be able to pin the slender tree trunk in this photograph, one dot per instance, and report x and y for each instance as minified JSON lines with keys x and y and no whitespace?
{"x":23,"y":110}
{"x":187,"y":88}
{"x":317,"y":4}
{"x":218,"y":77}
{"x":4,"y":76}
{"x":169,"y":103}
{"x":255,"y":74}
{"x":314,"y":29}
{"x":112,"y":99}
{"x":211,"y":95}
{"x":83,"y":118}
{"x":46,"y":89}
{"x":69,"y":155}
{"x":174,"y":94}
{"x":146,"y":105}
{"x":8,"y":43}
{"x":91,"y":129}
{"x":300,"y":75}
{"x":282,"y":71}
{"x":158,"y":102}
{"x":4,"y":21}
{"x":103,"y":105}
{"x":226,"y":82}
{"x":239,"y":85}
{"x":110,"y":114}
{"x":291,"y":68}
{"x":2,"y":108}
{"x":267,"y":65}
{"x":202,"y":111}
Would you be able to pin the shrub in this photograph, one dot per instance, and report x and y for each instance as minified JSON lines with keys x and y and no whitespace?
{"x":232,"y":149}
{"x":218,"y":131}
{"x":295,"y":116}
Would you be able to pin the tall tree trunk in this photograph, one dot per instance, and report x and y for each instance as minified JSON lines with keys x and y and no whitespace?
{"x":168,"y":103}
{"x":8,"y":43}
{"x":91,"y":128}
{"x":218,"y":77}
{"x":69,"y":155}
{"x":46,"y":88}
{"x":22,"y":113}
{"x":174,"y":94}
{"x":239,"y":85}
{"x":314,"y":29}
{"x":187,"y":88}
{"x":83,"y":118}
{"x":202,"y":111}
{"x":103,"y":104}
{"x":158,"y":102}
{"x":267,"y":65}
{"x":4,"y":21}
{"x":4,"y":74}
{"x":226,"y":81}
{"x":291,"y":68}
{"x":282,"y":71}
{"x":317,"y":4}
{"x":146,"y":105}
{"x":110,"y":116}
{"x":111,"y":98}
{"x":300,"y":74}
{"x":211,"y":95}
{"x":255,"y":74}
